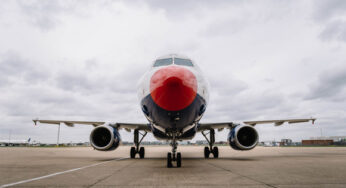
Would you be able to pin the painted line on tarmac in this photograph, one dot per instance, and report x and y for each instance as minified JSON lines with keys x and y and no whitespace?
{"x":58,"y":173}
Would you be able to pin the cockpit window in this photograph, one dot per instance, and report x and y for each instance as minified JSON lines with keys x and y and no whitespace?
{"x":163,"y":62}
{"x":184,"y":62}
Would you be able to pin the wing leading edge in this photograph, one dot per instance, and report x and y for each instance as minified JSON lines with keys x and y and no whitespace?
{"x":126,"y":126}
{"x":280,"y":122}
{"x":230,"y":125}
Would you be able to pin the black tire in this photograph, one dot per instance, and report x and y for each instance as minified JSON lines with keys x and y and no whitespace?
{"x":216,"y":152}
{"x":169,"y":160}
{"x":206,"y":152}
{"x":133,"y":152}
{"x":179,"y":160}
{"x":141,"y":152}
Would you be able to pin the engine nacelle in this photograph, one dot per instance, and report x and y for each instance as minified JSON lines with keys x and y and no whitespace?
{"x":105,"y":138}
{"x":243,"y":137}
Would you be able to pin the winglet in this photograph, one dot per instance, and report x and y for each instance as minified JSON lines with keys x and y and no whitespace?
{"x":313,"y":120}
{"x":35,"y":121}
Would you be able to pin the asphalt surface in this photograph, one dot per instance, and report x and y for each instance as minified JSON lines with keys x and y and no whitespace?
{"x":261,"y":167}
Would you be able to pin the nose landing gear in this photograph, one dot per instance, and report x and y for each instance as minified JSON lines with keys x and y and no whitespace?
{"x":173,"y":156}
{"x":176,"y":158}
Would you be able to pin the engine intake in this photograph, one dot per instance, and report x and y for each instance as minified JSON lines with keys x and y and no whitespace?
{"x":104,"y":138}
{"x":243,"y":137}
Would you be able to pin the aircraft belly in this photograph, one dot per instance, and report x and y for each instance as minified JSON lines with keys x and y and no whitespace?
{"x":188,"y":135}
{"x":172,"y":120}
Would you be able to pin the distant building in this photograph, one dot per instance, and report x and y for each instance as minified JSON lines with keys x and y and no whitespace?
{"x":317,"y":142}
{"x":269,"y":143}
{"x":334,"y":138}
{"x":201,"y":142}
{"x":286,"y":142}
{"x":126,"y":143}
{"x":221,"y":143}
{"x":185,"y":142}
{"x":150,"y":143}
{"x":289,"y":142}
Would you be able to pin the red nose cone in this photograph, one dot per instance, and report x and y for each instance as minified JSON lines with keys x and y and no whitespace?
{"x":173,"y":88}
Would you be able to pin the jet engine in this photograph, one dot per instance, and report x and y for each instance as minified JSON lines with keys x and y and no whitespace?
{"x":243,"y":137}
{"x":105,"y":138}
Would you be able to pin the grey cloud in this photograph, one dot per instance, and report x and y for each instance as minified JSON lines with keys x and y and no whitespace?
{"x":226,"y":85}
{"x":331,"y":14}
{"x":14,"y":68}
{"x":233,"y":23}
{"x":328,"y":10}
{"x":335,"y":30}
{"x":251,"y":106}
{"x":29,"y":101}
{"x":11,"y":64}
{"x":82,"y":79}
{"x":126,"y":81}
{"x":183,"y":8}
{"x":91,"y":64}
{"x":76,"y":93}
{"x":224,"y":27}
{"x":330,"y":85}
{"x":89,"y":80}
{"x":46,"y":15}
{"x":73,"y":81}
{"x":233,"y":99}
{"x":42,"y":14}
{"x":183,"y":5}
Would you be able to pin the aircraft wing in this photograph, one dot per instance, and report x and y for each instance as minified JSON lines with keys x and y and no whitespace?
{"x":220,"y":126}
{"x":280,"y":122}
{"x":126,"y":126}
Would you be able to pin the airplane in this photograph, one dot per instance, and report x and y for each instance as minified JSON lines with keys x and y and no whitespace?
{"x":173,"y":96}
{"x":14,"y":142}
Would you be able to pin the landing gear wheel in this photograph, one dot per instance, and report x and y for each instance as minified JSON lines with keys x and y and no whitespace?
{"x":137,"y":142}
{"x":133,"y":152}
{"x":206,"y":152}
{"x":141,"y":152}
{"x":179,"y":160}
{"x":216,"y":152}
{"x":169,"y":160}
{"x":211,"y":142}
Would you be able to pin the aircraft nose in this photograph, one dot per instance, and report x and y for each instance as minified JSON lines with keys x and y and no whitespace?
{"x":173,"y":88}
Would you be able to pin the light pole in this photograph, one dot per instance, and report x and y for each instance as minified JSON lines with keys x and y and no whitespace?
{"x":9,"y":138}
{"x":321,"y":132}
{"x":57,"y":142}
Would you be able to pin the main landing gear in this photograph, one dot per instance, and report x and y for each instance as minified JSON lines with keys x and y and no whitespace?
{"x":211,"y":142}
{"x":173,"y":156}
{"x":137,"y":149}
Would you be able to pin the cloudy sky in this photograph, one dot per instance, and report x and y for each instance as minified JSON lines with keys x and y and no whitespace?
{"x":81,"y":60}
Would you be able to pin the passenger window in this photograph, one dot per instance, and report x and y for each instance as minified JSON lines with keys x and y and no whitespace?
{"x":163,"y":62}
{"x":184,"y":62}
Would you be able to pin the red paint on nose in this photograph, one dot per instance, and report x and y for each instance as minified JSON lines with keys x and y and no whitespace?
{"x":173,"y":88}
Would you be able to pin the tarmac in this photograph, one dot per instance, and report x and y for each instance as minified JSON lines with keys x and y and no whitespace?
{"x":260,"y":167}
